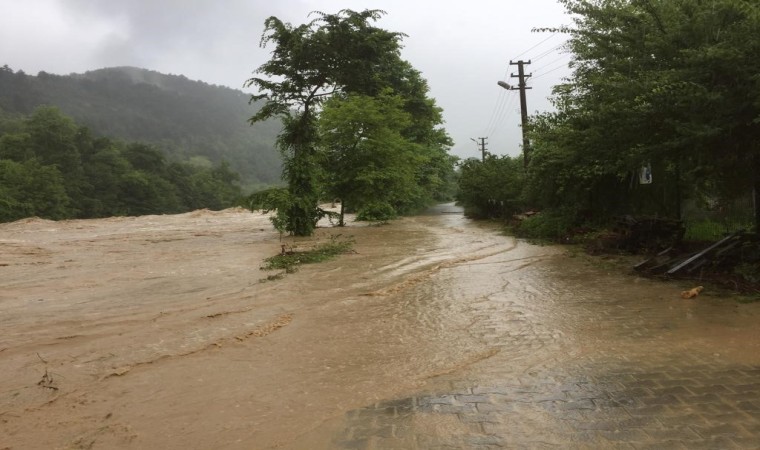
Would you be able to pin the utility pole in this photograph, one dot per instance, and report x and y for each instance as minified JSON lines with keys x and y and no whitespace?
{"x":481,"y":146}
{"x":523,"y":105}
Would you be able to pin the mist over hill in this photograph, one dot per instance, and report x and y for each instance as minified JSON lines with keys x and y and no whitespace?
{"x":188,"y":120}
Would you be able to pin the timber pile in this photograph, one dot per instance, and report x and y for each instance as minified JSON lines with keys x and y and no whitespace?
{"x":731,"y":250}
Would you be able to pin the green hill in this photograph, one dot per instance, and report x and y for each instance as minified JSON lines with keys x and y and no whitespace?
{"x":188,"y":120}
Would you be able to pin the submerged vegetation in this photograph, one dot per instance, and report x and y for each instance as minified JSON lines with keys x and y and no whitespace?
{"x":289,"y":260}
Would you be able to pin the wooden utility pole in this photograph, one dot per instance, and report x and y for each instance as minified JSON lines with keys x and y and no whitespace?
{"x":481,"y":146}
{"x":523,"y":105}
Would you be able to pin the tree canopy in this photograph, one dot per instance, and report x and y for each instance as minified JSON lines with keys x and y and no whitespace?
{"x":53,"y":168}
{"x":671,"y":84}
{"x":344,"y":60}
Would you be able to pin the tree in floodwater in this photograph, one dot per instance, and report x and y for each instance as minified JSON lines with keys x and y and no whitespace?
{"x":334,"y":53}
{"x":369,"y":165}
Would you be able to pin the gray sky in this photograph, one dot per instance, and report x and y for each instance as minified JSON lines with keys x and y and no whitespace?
{"x":462,"y":48}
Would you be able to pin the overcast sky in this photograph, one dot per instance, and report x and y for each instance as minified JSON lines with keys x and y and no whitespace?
{"x":461,"y":47}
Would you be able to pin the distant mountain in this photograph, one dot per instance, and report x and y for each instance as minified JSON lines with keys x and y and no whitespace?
{"x":188,"y":120}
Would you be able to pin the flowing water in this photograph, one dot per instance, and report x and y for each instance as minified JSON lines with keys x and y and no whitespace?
{"x":436,"y":332}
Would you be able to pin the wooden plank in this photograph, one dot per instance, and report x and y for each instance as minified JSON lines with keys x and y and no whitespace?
{"x":703,"y":253}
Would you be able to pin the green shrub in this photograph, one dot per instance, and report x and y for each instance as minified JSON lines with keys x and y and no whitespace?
{"x":709,"y":230}
{"x":289,"y":261}
{"x":376,"y":212}
{"x":548,"y":225}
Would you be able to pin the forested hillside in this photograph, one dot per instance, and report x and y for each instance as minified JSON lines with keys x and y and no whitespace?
{"x":53,"y":168}
{"x":190,"y":121}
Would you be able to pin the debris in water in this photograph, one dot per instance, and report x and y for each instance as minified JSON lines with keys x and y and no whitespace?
{"x":691,"y":293}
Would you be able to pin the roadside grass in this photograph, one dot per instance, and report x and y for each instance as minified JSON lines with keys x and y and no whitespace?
{"x":288,"y":261}
{"x":710,"y":230}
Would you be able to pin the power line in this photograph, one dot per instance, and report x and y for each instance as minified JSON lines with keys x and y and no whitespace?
{"x":526,"y":51}
{"x":500,"y":102}
{"x":497,"y":107}
{"x":550,"y":71}
{"x":506,"y":107}
{"x":547,"y":52}
{"x":502,"y":105}
{"x":502,"y":98}
{"x":538,"y":70}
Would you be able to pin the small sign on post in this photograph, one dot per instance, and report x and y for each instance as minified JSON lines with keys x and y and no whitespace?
{"x":645,"y":174}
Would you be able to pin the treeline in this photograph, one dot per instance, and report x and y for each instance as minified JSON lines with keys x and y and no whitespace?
{"x":186,"y":119}
{"x":668,"y":87}
{"x":53,"y":168}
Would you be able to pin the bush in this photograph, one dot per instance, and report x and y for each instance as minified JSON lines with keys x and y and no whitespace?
{"x":289,"y":261}
{"x":548,"y":225}
{"x":376,"y":212}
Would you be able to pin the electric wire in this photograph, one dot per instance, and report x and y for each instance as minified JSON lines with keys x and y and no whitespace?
{"x":502,"y":113}
{"x":539,"y":69}
{"x":526,"y":51}
{"x":497,"y":106}
{"x":562,"y":66}
{"x":496,"y":112}
{"x":547,"y":53}
{"x":499,"y":123}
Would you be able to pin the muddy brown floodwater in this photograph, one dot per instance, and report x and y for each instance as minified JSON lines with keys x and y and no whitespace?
{"x":437,"y":332}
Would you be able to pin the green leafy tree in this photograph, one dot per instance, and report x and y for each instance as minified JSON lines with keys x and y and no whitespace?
{"x":667,"y":82}
{"x":106,"y":178}
{"x":104,"y":169}
{"x":434,"y":171}
{"x":31,"y":189}
{"x":53,"y":141}
{"x":491,"y":188}
{"x":332,"y":53}
{"x":216,"y":188}
{"x":368,"y":162}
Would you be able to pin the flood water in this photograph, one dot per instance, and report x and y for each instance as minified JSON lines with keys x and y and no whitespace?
{"x":436,"y":332}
